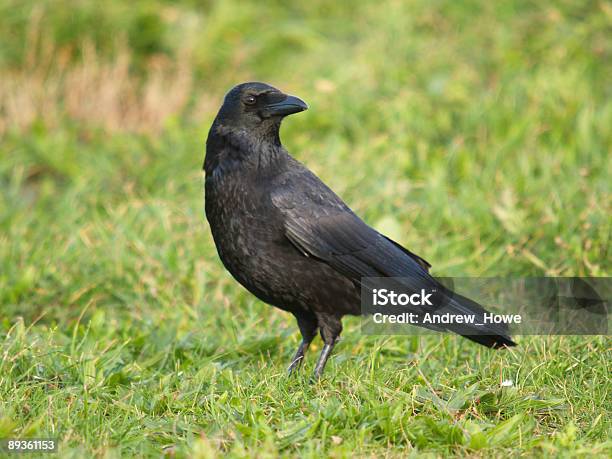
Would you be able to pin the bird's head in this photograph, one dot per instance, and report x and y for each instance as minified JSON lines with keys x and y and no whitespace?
{"x":257,"y":107}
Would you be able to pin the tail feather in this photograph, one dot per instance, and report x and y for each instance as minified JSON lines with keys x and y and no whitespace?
{"x":492,"y":341}
{"x":495,"y":336}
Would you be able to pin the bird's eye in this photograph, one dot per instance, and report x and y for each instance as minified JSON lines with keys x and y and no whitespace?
{"x":250,"y":100}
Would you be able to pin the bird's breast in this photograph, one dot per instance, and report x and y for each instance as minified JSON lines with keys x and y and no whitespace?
{"x":248,"y":241}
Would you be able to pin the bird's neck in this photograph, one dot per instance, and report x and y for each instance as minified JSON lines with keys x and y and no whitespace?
{"x":230,"y":148}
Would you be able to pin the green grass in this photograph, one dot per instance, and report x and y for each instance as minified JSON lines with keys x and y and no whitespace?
{"x":478,"y":134}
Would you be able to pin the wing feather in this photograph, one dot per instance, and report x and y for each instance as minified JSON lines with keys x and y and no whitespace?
{"x":325,"y":228}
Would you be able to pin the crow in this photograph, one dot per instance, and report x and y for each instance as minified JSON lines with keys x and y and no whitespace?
{"x":288,"y":238}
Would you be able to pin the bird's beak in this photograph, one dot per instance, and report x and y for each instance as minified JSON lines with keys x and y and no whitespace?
{"x":288,"y":106}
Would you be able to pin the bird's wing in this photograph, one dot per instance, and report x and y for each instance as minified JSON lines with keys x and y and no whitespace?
{"x":424,"y":263}
{"x":320,"y":225}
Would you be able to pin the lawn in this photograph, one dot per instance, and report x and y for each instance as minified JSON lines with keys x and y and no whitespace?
{"x":477,"y":134}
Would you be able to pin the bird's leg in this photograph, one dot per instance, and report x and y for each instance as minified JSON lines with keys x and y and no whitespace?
{"x":330,"y":327}
{"x":298,"y":358}
{"x":308,"y":328}
{"x":325,"y":353}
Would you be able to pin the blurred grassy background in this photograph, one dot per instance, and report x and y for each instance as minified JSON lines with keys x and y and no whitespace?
{"x":478,"y":134}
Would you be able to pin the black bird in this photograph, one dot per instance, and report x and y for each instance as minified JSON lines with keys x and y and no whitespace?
{"x":288,"y":238}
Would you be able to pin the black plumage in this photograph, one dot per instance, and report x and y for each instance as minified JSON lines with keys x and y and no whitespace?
{"x":287,"y":237}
